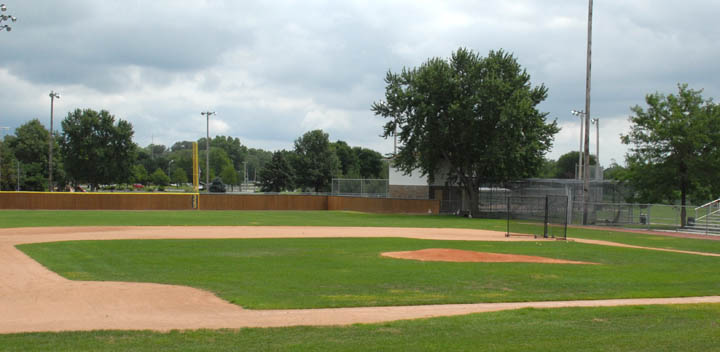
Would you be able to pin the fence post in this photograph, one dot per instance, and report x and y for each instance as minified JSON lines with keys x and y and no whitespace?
{"x":545,"y":232}
{"x":648,"y":216}
{"x":707,"y":218}
{"x":507,"y":234}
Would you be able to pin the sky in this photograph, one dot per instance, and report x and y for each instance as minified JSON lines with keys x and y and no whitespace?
{"x":273,"y":70}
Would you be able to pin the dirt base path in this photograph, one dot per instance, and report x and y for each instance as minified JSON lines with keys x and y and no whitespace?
{"x":33,"y":298}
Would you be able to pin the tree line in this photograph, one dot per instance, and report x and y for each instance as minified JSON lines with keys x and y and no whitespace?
{"x":95,"y":148}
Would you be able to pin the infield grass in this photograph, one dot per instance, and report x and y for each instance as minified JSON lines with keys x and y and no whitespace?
{"x":637,"y":328}
{"x":345,"y":272}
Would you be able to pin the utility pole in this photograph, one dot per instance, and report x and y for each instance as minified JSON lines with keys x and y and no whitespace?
{"x":596,"y":121}
{"x":2,"y":129}
{"x":53,"y":96}
{"x":586,"y":173}
{"x":245,"y":173}
{"x":581,"y":115}
{"x":207,"y":150}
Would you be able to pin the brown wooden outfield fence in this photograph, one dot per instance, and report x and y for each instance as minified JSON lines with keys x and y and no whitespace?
{"x":203,"y":201}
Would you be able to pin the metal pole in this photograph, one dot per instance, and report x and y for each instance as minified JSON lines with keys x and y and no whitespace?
{"x":53,"y":95}
{"x":580,"y":151}
{"x":597,"y":146}
{"x":207,"y":154}
{"x":207,"y":149}
{"x":586,"y":174}
{"x":2,"y":129}
{"x":581,"y":115}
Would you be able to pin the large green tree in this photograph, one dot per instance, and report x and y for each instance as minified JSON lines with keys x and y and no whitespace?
{"x":474,"y":117}
{"x":371,"y":163}
{"x":674,"y":148}
{"x":233,"y":148}
{"x":349,"y":161}
{"x":30,"y":148}
{"x":277,"y":175}
{"x":96,"y":149}
{"x":315,"y":162}
{"x":566,"y":165}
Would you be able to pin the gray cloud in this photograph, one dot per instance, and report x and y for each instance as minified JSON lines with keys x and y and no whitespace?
{"x":274,"y":70}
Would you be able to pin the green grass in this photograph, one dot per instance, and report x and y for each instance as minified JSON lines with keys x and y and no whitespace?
{"x":344,"y":272}
{"x":639,"y":328}
{"x":40,"y":218}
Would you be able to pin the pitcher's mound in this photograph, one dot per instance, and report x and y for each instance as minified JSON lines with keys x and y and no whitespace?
{"x":458,"y":255}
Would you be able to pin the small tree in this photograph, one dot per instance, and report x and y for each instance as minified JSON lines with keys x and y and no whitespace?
{"x":566,"y":165}
{"x":229,"y":175}
{"x":178,"y":176}
{"x":277,"y":176}
{"x":159,"y":178}
{"x":316,"y":163}
{"x":139,"y":174}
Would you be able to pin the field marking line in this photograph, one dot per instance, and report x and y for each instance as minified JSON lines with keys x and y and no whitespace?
{"x":617,"y":244}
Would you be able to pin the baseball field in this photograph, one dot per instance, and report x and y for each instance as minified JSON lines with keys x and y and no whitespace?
{"x":284,"y":280}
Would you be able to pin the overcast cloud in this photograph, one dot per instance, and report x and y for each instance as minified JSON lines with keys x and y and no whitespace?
{"x":273,"y":70}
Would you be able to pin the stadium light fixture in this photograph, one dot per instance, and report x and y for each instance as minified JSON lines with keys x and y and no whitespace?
{"x":4,"y":17}
{"x":53,"y":96}
{"x":207,"y":149}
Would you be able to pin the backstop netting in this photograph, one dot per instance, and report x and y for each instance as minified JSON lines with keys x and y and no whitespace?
{"x":537,"y":216}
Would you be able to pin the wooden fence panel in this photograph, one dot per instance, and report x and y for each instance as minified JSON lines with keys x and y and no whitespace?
{"x":95,"y":201}
{"x":262,"y":202}
{"x":174,"y":201}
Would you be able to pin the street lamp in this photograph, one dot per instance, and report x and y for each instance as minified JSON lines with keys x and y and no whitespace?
{"x":4,"y":17}
{"x":207,"y":149}
{"x":53,"y":96}
{"x":169,"y":164}
{"x":581,"y":115}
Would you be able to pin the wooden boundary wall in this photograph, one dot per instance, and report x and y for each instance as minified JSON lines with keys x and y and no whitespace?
{"x":190,"y":201}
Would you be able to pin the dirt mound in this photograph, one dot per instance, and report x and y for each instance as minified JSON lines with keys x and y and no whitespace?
{"x":458,"y":255}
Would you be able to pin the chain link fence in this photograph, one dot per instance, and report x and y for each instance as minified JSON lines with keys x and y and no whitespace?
{"x":372,"y":188}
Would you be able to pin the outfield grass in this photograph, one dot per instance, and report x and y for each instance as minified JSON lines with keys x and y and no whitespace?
{"x":345,"y":272}
{"x":638,"y":328}
{"x":42,"y":218}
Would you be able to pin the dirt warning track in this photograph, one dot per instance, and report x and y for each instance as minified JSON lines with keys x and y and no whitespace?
{"x":33,"y":298}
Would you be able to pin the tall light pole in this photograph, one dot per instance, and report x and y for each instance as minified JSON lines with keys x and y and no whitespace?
{"x":4,"y":17}
{"x":207,"y":149}
{"x":586,"y":173}
{"x":2,"y":129}
{"x":596,"y":121}
{"x":581,"y":115}
{"x":53,"y":96}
